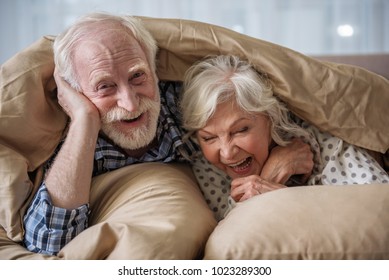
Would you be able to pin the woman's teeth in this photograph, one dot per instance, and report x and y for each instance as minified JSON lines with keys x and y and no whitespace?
{"x":242,"y":164}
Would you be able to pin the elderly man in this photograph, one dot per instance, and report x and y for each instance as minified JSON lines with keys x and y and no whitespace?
{"x":120,"y":115}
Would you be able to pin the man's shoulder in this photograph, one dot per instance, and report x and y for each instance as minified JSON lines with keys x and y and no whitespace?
{"x":170,"y":87}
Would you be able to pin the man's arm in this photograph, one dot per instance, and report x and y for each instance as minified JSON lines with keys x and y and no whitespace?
{"x":69,"y":178}
{"x":59,"y":211}
{"x":284,"y":162}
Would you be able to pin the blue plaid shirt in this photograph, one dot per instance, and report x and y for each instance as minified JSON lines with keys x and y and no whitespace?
{"x":49,"y":228}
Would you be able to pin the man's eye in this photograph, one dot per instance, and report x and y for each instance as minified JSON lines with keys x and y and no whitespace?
{"x":138,"y":78}
{"x":104,"y":86}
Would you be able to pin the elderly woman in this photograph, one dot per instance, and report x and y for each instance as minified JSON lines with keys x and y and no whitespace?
{"x":254,"y":143}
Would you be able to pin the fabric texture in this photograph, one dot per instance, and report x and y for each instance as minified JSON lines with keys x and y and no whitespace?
{"x":343,"y":163}
{"x":347,"y":101}
{"x":31,"y":124}
{"x":49,"y":228}
{"x":139,"y":212}
{"x":144,"y":211}
{"x":314,"y":222}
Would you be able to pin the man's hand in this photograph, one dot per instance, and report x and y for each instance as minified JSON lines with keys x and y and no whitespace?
{"x":247,"y":187}
{"x":75,"y":104}
{"x":283,"y":162}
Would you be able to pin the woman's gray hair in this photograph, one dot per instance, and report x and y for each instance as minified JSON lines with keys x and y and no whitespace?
{"x":65,"y":43}
{"x":222,"y":78}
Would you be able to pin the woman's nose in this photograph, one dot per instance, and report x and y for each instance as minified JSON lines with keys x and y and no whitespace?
{"x":228,"y":150}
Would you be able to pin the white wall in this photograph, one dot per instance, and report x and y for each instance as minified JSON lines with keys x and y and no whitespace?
{"x":308,"y":26}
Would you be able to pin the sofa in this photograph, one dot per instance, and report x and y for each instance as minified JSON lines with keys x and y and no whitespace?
{"x":156,"y":211}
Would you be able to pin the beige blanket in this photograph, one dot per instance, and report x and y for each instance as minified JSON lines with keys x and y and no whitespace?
{"x":347,"y":101}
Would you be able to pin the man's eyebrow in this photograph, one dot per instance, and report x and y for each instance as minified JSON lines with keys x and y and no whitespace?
{"x":107,"y":76}
{"x":139,"y":66}
{"x":103,"y":76}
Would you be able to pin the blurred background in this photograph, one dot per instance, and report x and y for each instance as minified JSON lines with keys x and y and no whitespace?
{"x":312,"y":27}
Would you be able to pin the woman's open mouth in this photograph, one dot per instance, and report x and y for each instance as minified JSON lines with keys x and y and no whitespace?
{"x":241,"y":166}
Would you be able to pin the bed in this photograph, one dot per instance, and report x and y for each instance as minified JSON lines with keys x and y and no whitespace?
{"x":316,"y":222}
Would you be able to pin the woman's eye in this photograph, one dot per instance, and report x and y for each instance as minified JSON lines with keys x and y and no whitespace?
{"x":242,"y":130}
{"x":207,"y":138}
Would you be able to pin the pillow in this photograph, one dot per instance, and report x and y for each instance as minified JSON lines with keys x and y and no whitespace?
{"x":347,"y":101}
{"x":315,"y":222}
{"x":143,"y":211}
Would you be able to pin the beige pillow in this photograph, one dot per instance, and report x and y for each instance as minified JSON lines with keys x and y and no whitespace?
{"x":143,"y":211}
{"x":316,"y":222}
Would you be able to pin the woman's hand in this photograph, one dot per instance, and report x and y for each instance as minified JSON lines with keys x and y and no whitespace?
{"x":247,"y":187}
{"x":283,"y":162}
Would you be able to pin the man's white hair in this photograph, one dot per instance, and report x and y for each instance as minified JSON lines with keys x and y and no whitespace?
{"x":65,"y":43}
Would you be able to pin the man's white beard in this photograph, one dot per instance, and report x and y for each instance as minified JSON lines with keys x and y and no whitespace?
{"x":135,"y":138}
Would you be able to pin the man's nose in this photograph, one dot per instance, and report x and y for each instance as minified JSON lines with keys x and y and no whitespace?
{"x":128,"y":99}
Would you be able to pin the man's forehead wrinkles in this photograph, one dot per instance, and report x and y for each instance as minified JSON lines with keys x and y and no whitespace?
{"x":99,"y":74}
{"x":95,"y":78}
